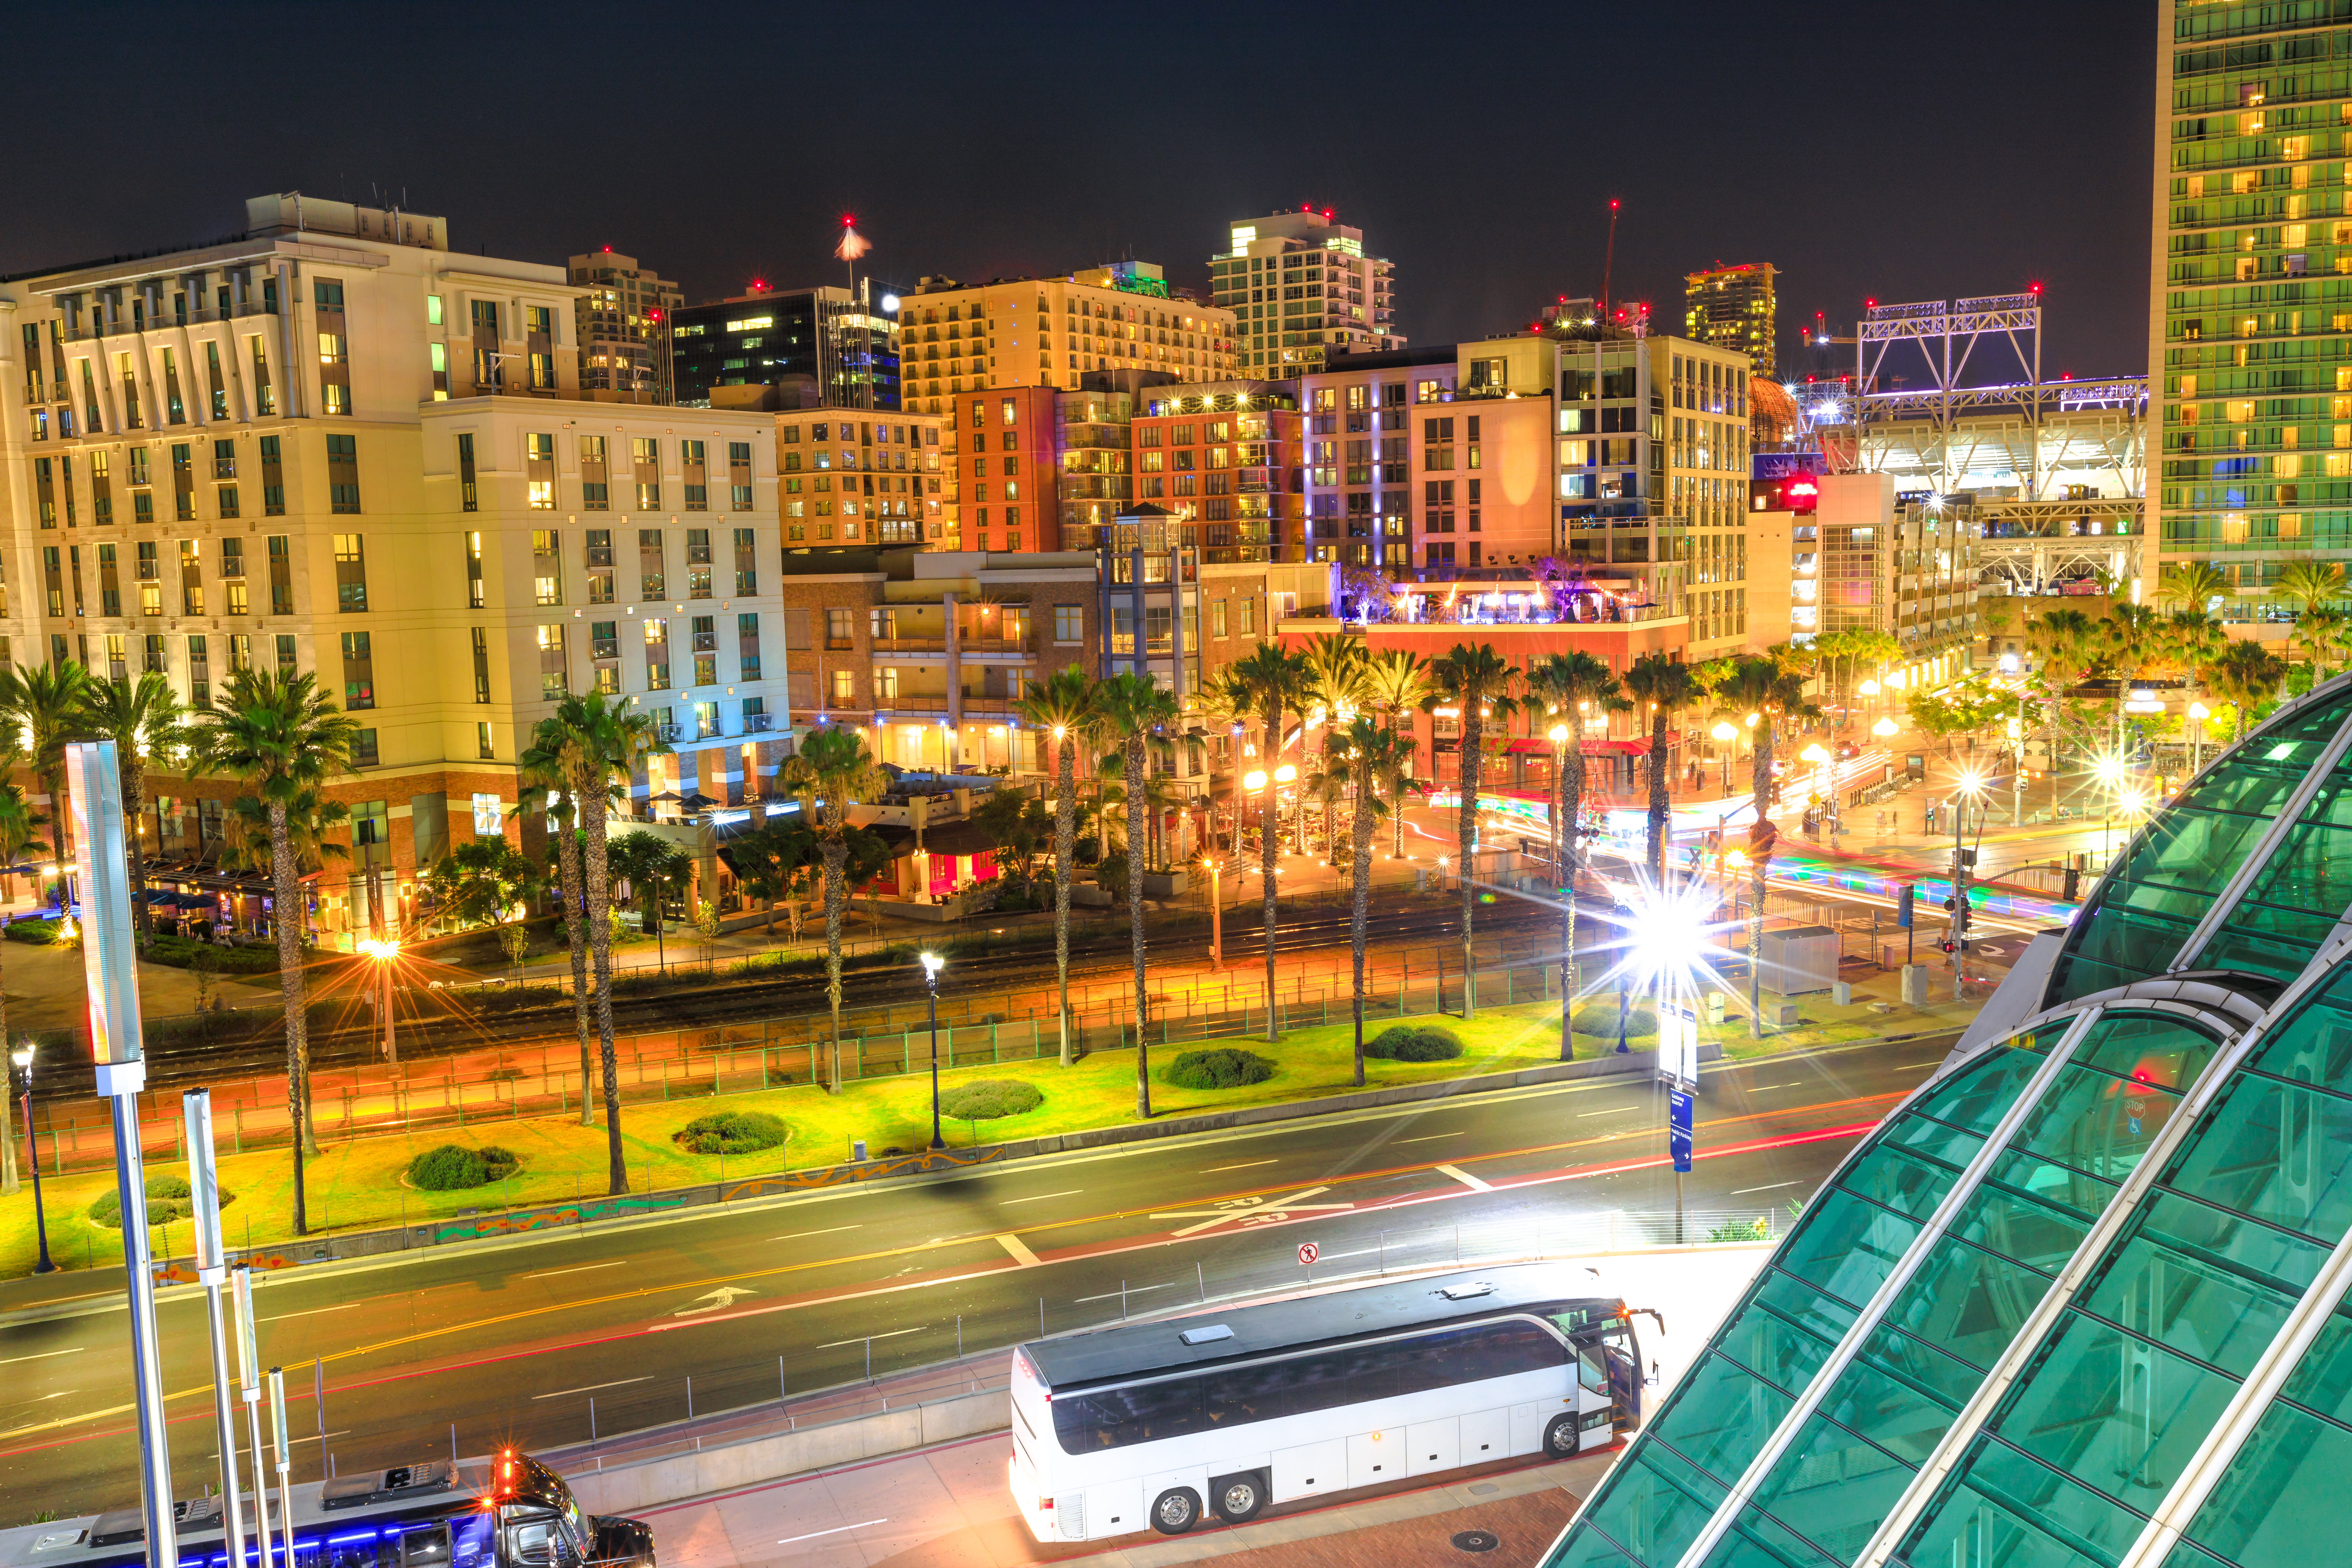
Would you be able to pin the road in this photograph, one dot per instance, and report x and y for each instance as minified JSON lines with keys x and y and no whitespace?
{"x":514,"y":1342}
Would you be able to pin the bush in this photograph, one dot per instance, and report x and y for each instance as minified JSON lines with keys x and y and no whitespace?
{"x":1222,"y":1068}
{"x":180,"y":952}
{"x":731,"y":1132}
{"x":1415,"y":1043}
{"x":167,"y":1199}
{"x":989,"y":1099}
{"x":1599,"y":1020}
{"x":453,"y":1167}
{"x":1759,"y":1229}
{"x":40,"y":932}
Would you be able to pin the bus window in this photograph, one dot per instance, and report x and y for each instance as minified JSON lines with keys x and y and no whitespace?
{"x":1592,"y":1369}
{"x":1623,"y":1358}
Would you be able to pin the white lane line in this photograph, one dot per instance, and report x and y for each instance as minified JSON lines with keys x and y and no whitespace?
{"x":1915,"y":1066}
{"x":1114,"y":1294}
{"x":1465,"y":1178}
{"x":1612,"y":1110}
{"x":1768,"y":1187}
{"x":582,"y":1269}
{"x":1041,"y":1197}
{"x":1763,"y":1087}
{"x":309,"y":1312}
{"x":836,"y":1529}
{"x":1020,"y":1255}
{"x":1429,"y":1137}
{"x":1246,"y":1165}
{"x":861,"y":1338}
{"x":567,"y":1392}
{"x":40,"y":1355}
{"x":829,"y":1230}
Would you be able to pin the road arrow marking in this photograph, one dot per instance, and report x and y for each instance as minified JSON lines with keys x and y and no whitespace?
{"x":1466,"y":1179}
{"x":1251,"y":1211}
{"x":721,"y":1298}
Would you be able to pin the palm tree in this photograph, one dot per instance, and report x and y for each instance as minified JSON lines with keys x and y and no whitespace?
{"x":2194,"y":584}
{"x":143,"y":719}
{"x":1372,"y":748}
{"x":1337,"y":682}
{"x":1665,"y":684}
{"x":600,"y":744}
{"x":1473,"y":679}
{"x":1767,"y":688}
{"x":831,"y":767}
{"x":1272,"y":680}
{"x":1396,"y":682}
{"x":1062,"y":705}
{"x":282,"y":736}
{"x":2324,"y":631}
{"x":544,"y":777}
{"x":2308,"y":585}
{"x":1135,"y":709}
{"x":1568,"y":684}
{"x":46,"y":704}
{"x":2243,"y":674}
{"x":2065,"y":643}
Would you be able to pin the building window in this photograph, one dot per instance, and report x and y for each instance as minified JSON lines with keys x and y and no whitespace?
{"x":844,"y":687}
{"x":657,"y":655}
{"x":746,"y":647}
{"x":747,"y":563}
{"x":554,"y":669}
{"x":350,"y":574}
{"x":547,"y":565}
{"x":739,"y":474}
{"x":652,"y":579}
{"x":595,"y":487}
{"x":837,"y":630}
{"x":481,"y":665}
{"x":342,"y":473}
{"x":482,"y":746}
{"x":705,"y":630}
{"x":695,"y":476}
{"x":284,"y":653}
{"x":539,"y":471}
{"x":645,"y":454}
{"x":192,"y":582}
{"x":273,"y":479}
{"x":359,"y":672}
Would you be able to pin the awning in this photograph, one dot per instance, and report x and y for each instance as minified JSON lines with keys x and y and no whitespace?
{"x":957,"y":838}
{"x":1637,"y":746}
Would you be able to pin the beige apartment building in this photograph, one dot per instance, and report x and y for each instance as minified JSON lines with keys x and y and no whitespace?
{"x":335,"y":445}
{"x":1302,"y":292}
{"x":855,"y":477}
{"x":621,"y":324}
{"x":1050,"y":332}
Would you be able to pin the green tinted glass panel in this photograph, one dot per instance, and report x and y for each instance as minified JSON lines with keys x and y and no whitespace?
{"x":1887,"y":1412}
{"x":1769,"y":1342}
{"x":1804,"y":1305}
{"x":1654,"y":1507}
{"x":2195,"y":1307}
{"x":2285,"y":1262}
{"x":1830,"y":1485}
{"x":1847,"y":1248}
{"x":2009,"y":1510}
{"x":2315,"y":1045}
{"x":1587,"y":1548}
{"x":1720,"y":1417}
{"x":1968,"y":1301}
{"x":1976,"y":1095}
{"x":2295,"y":897}
{"x":2061,"y":1186}
{"x":1933,"y":1140}
{"x":1755,"y":1543}
{"x":2005,"y":1220}
{"x":2276,"y":1153}
{"x":2281,"y":1502}
{"x":2323,"y":1378}
{"x":1928,"y":1367}
{"x":2095,"y":1122}
{"x":2146,"y":1049}
{"x":1902,"y":1181}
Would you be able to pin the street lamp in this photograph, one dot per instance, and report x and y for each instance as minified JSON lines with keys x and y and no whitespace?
{"x":1884,"y":728}
{"x":385,"y":951}
{"x":1214,"y":867}
{"x":1724,"y":735}
{"x":932,"y":963}
{"x":2198,"y":714}
{"x":22,"y":1058}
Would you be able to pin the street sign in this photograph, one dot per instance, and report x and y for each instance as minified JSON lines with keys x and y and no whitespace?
{"x":1678,"y":1045}
{"x":1308,"y":1252}
{"x":1678,"y":1129}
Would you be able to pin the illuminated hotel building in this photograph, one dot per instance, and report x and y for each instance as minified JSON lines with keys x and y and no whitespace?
{"x":1301,"y":289}
{"x":1051,"y":332}
{"x":1734,"y":307}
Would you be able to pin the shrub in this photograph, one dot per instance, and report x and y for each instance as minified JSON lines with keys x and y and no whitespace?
{"x":164,"y":947}
{"x":731,"y":1132}
{"x":1599,"y":1020}
{"x":1222,"y":1068}
{"x":1415,"y":1043}
{"x":989,"y":1099}
{"x":167,"y":1200}
{"x":1760,"y":1229}
{"x":40,"y":932}
{"x":453,"y":1167}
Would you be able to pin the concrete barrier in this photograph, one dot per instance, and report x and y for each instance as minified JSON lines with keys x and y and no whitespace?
{"x":633,"y":1488}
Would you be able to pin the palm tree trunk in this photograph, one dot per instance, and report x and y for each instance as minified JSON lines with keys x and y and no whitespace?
{"x":567,"y":868}
{"x":56,"y":783}
{"x":1065,"y":835}
{"x":1134,"y":928}
{"x":1761,"y":778}
{"x":134,"y":794}
{"x":1466,"y":766}
{"x":835,"y":851}
{"x":1359,"y":917}
{"x":1269,"y":817}
{"x":288,"y":891}
{"x":596,"y":871}
{"x":1658,"y":808}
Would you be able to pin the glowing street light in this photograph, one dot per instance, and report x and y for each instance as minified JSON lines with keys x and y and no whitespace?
{"x":21,"y":1059}
{"x":932,"y":963}
{"x":385,"y":950}
{"x":2198,"y":714}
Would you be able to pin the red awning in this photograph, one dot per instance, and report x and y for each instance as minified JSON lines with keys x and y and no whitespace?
{"x":1638,"y":746}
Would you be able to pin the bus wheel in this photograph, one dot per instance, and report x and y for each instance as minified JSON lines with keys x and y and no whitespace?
{"x":1176,"y":1510}
{"x":1238,"y":1497}
{"x":1561,"y":1439}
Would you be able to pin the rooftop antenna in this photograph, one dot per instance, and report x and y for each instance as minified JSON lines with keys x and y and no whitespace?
{"x":1609,"y":259}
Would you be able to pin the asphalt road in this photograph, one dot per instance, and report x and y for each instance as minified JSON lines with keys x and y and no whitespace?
{"x":514,"y":1342}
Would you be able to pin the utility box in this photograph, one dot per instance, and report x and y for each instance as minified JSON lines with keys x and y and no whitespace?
{"x":1799,"y":959}
{"x":1841,"y":993}
{"x":1914,"y":985}
{"x":1715,"y":1005}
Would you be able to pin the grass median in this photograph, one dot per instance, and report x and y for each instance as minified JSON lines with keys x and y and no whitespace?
{"x":360,"y":1182}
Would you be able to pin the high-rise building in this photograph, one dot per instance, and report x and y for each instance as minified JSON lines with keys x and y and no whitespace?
{"x":1057,"y":332}
{"x":2250,"y":347}
{"x":824,"y":347}
{"x":1733,"y":307}
{"x":1301,"y":288}
{"x":1227,"y":460}
{"x":332,"y":445}
{"x":853,"y":479}
{"x":622,"y":325}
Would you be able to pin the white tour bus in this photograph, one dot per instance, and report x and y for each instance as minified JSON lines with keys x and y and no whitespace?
{"x":1227,"y":1410}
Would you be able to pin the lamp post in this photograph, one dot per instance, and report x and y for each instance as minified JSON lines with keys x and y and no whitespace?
{"x":385,"y":951}
{"x":1210,"y":863}
{"x":931,"y":962}
{"x":1724,"y":735}
{"x":21,"y":1059}
{"x":2198,"y":714}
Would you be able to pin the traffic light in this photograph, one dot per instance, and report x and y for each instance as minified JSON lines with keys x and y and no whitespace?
{"x":1904,"y":895}
{"x":1949,"y":946}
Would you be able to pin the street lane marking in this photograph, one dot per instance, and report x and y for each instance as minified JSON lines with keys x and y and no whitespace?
{"x":582,"y":1269}
{"x":1116,"y":1294}
{"x":715,"y":1301}
{"x":618,"y":1383}
{"x":1253,"y":1164}
{"x":836,"y":1529}
{"x":862,"y":1338}
{"x":1612,"y":1110}
{"x":40,"y":1355}
{"x":1767,"y":1187}
{"x":1424,"y":1138}
{"x":1041,"y":1197}
{"x":309,"y":1312}
{"x":1250,"y":1210}
{"x":1763,"y":1087}
{"x":1020,"y":1255}
{"x":1466,"y":1179}
{"x":1915,"y":1067}
{"x":829,"y":1230}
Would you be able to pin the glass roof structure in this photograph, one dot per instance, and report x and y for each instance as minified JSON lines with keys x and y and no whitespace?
{"x":2081,"y":1300}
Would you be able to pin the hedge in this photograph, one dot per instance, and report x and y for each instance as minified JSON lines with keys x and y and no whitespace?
{"x":453,"y":1167}
{"x":1599,"y":1020}
{"x":168,"y":1200}
{"x":989,"y":1099}
{"x":731,"y":1132}
{"x":1415,"y":1043}
{"x":1221,"y":1068}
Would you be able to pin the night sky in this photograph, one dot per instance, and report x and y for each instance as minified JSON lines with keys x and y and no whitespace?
{"x":1902,"y":151}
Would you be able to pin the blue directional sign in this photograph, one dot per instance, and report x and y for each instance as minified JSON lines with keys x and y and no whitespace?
{"x":1678,"y":1128}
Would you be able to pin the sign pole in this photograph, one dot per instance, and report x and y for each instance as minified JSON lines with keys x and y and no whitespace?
{"x":285,"y":1457}
{"x":212,"y":1271}
{"x":111,"y":974}
{"x":248,"y":1380}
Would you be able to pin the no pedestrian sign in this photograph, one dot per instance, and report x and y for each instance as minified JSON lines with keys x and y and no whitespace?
{"x":1308,"y":1252}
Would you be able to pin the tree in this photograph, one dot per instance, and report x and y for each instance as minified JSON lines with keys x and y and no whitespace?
{"x":600,"y":741}
{"x":1767,"y":689}
{"x":544,"y":788}
{"x":1664,"y":685}
{"x":46,"y":704}
{"x":651,"y":865}
{"x":1017,"y":826}
{"x":144,"y":719}
{"x":1471,"y":677}
{"x":768,"y":860}
{"x":19,"y":824}
{"x":480,"y":881}
{"x":2307,"y":585}
{"x":1338,"y":684}
{"x":1063,"y":706}
{"x":831,"y":767}
{"x":1371,"y":748}
{"x":1271,"y":680}
{"x":2195,"y":584}
{"x":1995,"y":614}
{"x":1135,"y":710}
{"x":1397,"y":682}
{"x":1961,"y":711}
{"x":2244,"y":674}
{"x":278,"y":733}
{"x":2065,"y":645}
{"x":1567,"y":684}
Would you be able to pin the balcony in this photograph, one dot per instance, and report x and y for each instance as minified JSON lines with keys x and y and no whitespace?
{"x":671,"y":734}
{"x":758,"y":723}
